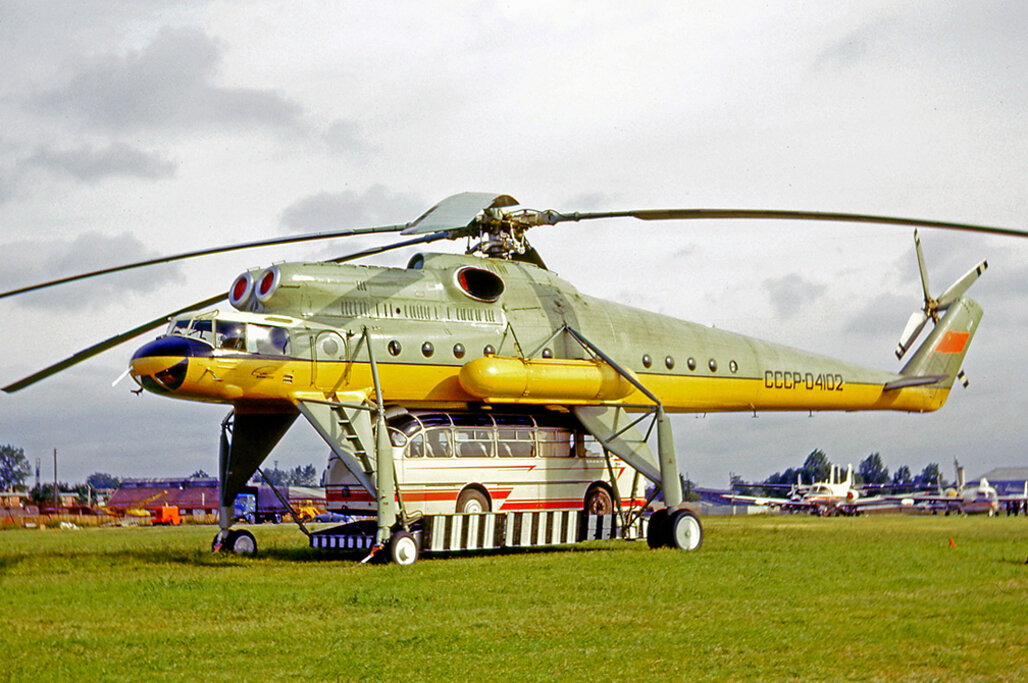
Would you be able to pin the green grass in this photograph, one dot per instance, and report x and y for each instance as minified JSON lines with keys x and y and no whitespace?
{"x":766,"y":598}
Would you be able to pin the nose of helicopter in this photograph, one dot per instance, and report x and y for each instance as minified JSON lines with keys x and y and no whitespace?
{"x":161,"y":365}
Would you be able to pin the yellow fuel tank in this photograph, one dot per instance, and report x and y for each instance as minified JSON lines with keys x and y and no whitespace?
{"x":543,"y":379}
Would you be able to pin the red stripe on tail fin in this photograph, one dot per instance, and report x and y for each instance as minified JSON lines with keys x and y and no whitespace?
{"x":952,"y":342}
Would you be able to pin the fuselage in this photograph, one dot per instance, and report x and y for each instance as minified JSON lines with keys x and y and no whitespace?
{"x":297,"y":331}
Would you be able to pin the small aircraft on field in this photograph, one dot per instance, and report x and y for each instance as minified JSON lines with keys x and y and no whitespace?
{"x":487,"y":354}
{"x":835,"y":495}
{"x":963,"y":498}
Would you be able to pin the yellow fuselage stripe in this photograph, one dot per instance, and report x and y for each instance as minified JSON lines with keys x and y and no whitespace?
{"x":234,"y":379}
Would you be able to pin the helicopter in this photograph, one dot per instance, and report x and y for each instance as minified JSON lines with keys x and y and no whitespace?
{"x":352,"y":348}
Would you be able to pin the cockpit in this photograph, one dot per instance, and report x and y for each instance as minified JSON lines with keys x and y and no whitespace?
{"x":232,"y":335}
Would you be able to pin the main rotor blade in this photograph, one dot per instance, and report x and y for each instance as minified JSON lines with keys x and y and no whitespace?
{"x":389,"y":247}
{"x":276,"y":241}
{"x":457,"y":211}
{"x":773,"y":214}
{"x":96,"y":349}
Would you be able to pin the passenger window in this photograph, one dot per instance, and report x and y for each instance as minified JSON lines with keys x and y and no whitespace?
{"x":416,"y":449}
{"x":439,"y":442}
{"x":554,"y":444}
{"x":474,"y":443}
{"x":397,"y":438}
{"x":515,"y":443}
{"x":267,"y":341}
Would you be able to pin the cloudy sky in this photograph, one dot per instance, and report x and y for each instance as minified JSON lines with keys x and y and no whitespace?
{"x":138,"y":129}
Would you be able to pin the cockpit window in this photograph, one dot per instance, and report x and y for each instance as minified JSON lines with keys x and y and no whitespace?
{"x":231,"y":335}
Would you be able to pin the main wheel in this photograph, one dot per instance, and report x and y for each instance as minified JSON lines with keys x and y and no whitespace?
{"x":238,"y":541}
{"x":472,"y":501}
{"x":656,"y":530}
{"x":598,"y":502}
{"x":403,"y":549}
{"x":686,"y":532}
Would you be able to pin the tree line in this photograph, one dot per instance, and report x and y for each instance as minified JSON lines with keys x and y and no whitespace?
{"x":871,"y":471}
{"x":15,"y":471}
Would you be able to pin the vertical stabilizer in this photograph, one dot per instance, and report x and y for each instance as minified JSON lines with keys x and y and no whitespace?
{"x":942,"y":353}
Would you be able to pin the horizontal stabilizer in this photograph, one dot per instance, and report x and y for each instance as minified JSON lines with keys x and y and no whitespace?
{"x":913,"y":381}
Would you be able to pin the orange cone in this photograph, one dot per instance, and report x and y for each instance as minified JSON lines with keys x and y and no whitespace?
{"x":951,"y":543}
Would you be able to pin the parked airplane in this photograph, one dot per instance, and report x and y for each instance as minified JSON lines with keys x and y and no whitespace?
{"x":833,"y":496}
{"x":963,"y":498}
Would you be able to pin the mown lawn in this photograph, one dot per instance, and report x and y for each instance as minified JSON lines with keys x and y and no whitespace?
{"x":766,"y":598}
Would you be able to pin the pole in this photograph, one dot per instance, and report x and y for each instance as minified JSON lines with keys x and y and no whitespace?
{"x":55,"y":482}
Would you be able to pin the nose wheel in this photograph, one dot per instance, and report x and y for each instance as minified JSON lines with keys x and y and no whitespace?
{"x":238,"y":541}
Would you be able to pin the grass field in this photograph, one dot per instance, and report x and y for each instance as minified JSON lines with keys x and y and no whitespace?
{"x":766,"y":598}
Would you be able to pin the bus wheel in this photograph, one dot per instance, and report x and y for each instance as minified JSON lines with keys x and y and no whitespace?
{"x":472,"y":502}
{"x":598,"y":502}
{"x":403,"y":549}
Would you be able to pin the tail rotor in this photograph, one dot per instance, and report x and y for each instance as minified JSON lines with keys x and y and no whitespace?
{"x":933,"y":306}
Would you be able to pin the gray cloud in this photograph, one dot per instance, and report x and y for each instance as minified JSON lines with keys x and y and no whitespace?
{"x":88,"y":164}
{"x":791,"y":293}
{"x":37,"y":261}
{"x":346,"y":137}
{"x":169,"y":84}
{"x":375,"y":206}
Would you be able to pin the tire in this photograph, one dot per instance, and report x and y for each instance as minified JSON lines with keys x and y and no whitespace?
{"x":685,"y":532}
{"x":472,"y":501}
{"x":403,"y":549}
{"x":656,"y":530}
{"x":598,"y":501}
{"x":241,"y":542}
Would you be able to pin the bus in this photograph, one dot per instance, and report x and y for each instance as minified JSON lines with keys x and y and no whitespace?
{"x":450,"y":462}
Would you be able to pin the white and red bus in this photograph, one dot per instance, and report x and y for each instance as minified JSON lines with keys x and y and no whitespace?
{"x":479,"y":462}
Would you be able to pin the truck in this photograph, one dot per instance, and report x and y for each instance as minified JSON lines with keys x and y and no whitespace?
{"x":257,"y":504}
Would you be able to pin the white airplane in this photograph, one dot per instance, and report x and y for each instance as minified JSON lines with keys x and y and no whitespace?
{"x":963,"y":498}
{"x":835,"y":495}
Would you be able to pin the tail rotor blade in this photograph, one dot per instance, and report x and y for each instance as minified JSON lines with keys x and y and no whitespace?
{"x":914,"y":326}
{"x":923,"y":269}
{"x":957,"y":289}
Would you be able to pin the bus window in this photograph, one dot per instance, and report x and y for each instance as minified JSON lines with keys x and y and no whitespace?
{"x":554,"y":443}
{"x":397,"y":438}
{"x":474,"y":443}
{"x":439,"y":442}
{"x":515,"y":443}
{"x":416,"y":449}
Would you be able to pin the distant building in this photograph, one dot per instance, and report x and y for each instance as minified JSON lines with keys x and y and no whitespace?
{"x":1007,"y":479}
{"x":192,"y":496}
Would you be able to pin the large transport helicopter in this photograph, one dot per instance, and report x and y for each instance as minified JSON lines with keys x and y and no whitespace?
{"x":482,"y":347}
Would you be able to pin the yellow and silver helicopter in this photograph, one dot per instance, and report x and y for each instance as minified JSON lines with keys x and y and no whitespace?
{"x":349,"y":347}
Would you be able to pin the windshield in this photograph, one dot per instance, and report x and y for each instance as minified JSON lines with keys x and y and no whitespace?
{"x":234,"y":336}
